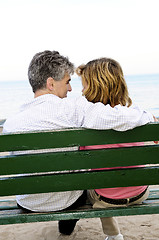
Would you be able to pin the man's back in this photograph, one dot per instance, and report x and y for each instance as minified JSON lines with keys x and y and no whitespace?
{"x":44,"y":113}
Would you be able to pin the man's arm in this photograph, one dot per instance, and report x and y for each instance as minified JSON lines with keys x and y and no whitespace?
{"x":120,"y":118}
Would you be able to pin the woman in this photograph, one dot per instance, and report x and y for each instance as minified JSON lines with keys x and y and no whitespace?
{"x":103,"y":81}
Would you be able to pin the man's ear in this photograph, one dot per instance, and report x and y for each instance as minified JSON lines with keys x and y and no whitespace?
{"x":50,"y":83}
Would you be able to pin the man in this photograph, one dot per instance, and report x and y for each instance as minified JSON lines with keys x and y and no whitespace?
{"x":50,"y":75}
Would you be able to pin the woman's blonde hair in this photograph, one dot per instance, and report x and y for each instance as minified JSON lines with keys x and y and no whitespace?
{"x":105,"y":82}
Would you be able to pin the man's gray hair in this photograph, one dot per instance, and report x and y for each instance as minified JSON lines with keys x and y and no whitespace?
{"x":48,"y":64}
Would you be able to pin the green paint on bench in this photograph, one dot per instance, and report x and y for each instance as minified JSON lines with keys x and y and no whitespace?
{"x":18,"y":216}
{"x":28,"y":172}
{"x":76,"y":137}
{"x":78,"y":160}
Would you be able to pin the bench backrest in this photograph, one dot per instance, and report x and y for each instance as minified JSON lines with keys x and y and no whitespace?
{"x":51,"y":161}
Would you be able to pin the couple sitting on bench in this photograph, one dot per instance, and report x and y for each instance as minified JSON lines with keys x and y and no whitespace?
{"x":106,"y":105}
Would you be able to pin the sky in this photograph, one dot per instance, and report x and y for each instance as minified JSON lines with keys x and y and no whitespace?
{"x":125,"y":30}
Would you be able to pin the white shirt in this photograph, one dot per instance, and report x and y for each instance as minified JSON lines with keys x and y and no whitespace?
{"x":51,"y":112}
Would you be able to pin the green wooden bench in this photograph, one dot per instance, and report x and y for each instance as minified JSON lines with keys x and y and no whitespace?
{"x":24,"y":171}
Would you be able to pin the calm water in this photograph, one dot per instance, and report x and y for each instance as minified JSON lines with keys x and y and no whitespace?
{"x":143,"y":89}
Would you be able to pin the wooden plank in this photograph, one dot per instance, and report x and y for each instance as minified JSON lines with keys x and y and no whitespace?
{"x":75,"y":137}
{"x":154,"y":194}
{"x":72,"y":181}
{"x":48,"y":162}
{"x":17,"y":216}
{"x":8,"y":205}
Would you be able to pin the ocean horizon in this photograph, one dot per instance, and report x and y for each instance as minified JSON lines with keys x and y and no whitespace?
{"x":143,"y":89}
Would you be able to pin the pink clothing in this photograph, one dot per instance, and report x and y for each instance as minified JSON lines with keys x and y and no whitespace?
{"x":121,"y":192}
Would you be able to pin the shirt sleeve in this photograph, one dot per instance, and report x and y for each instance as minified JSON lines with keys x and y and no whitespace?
{"x":120,"y":118}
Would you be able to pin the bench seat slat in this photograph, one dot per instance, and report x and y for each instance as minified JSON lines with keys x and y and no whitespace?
{"x":79,"y":160}
{"x":17,"y":216}
{"x":154,"y":194}
{"x":6,"y":204}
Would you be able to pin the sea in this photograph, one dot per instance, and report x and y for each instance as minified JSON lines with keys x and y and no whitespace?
{"x":143,"y":89}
